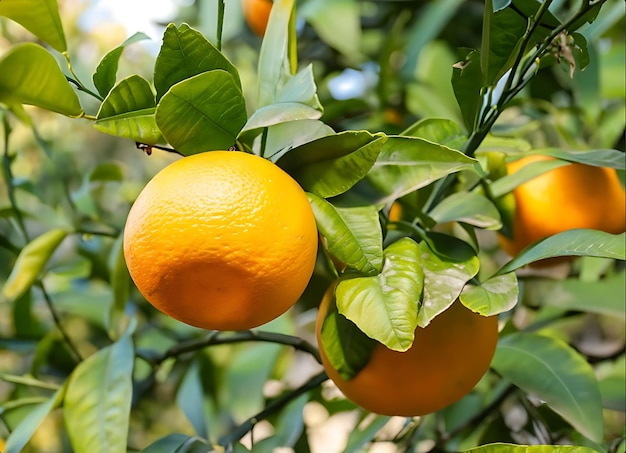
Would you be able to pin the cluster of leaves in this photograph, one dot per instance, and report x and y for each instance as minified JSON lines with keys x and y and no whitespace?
{"x":394,"y":275}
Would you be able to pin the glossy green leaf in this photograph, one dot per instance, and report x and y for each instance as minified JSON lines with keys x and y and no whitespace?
{"x":275,"y":68}
{"x":129,"y":112}
{"x":98,"y":399}
{"x":467,"y":80}
{"x":279,"y":113}
{"x":449,"y":264}
{"x":610,"y":158}
{"x":605,"y":296}
{"x":467,"y":207}
{"x":185,"y":53}
{"x":24,"y":431}
{"x":202,"y":113}
{"x":494,"y":296}
{"x":406,"y":164}
{"x":552,"y":371}
{"x":579,"y":242}
{"x":40,"y":17}
{"x":513,"y":448}
{"x":331,"y":165}
{"x":30,"y":75}
{"x":437,"y":130}
{"x":31,"y":262}
{"x":106,"y":73}
{"x":385,"y":306}
{"x":508,"y":183}
{"x":353,"y":234}
{"x":179,"y":443}
{"x":348,"y":349}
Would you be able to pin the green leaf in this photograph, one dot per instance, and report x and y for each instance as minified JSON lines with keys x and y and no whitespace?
{"x":449,"y":263}
{"x":105,"y":76}
{"x":275,"y":66}
{"x":189,"y":399}
{"x":129,"y":112}
{"x":29,"y":424}
{"x":337,"y":23}
{"x":496,"y":295}
{"x":578,"y":242}
{"x":185,"y":53}
{"x":406,"y":164}
{"x":179,"y":443}
{"x":348,"y":349}
{"x":98,"y":398}
{"x":31,"y":262}
{"x":467,"y":80}
{"x":202,"y":113}
{"x":120,"y":284}
{"x":437,"y":130}
{"x":362,"y":435}
{"x":30,"y":75}
{"x":40,"y":17}
{"x":508,"y":183}
{"x":605,"y":296}
{"x":550,"y":370}
{"x":353,"y":234}
{"x":279,"y":113}
{"x":513,"y":448}
{"x":331,"y":165}
{"x":610,"y":158}
{"x":385,"y":306}
{"x":467,"y":207}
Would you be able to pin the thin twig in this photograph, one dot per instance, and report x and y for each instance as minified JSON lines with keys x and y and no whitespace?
{"x":148,"y":148}
{"x":57,"y":322}
{"x":274,"y":406}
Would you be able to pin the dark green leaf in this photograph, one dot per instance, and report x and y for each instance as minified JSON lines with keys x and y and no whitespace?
{"x":40,"y":17}
{"x":610,"y":158}
{"x":579,"y":242}
{"x":550,"y":370}
{"x":348,"y":349}
{"x":449,"y":264}
{"x":612,"y":385}
{"x":353,"y":234}
{"x":185,"y":52}
{"x":406,"y":164}
{"x":30,"y":263}
{"x":25,"y":323}
{"x":128,"y":111}
{"x":513,"y":448}
{"x":105,"y":76}
{"x":179,"y":443}
{"x":202,"y":113}
{"x":27,"y":427}
{"x":467,"y":80}
{"x":467,"y":207}
{"x":98,"y":398}
{"x":492,"y":297}
{"x":385,"y":306}
{"x":331,"y":165}
{"x":30,"y":75}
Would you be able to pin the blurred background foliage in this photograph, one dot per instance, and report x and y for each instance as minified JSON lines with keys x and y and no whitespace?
{"x":380,"y":65}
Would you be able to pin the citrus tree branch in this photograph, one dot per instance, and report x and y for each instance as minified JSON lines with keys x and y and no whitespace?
{"x":274,"y":406}
{"x":218,"y":337}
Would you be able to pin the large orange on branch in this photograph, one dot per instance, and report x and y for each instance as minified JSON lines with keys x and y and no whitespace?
{"x":221,"y":240}
{"x":257,"y":14}
{"x":565,"y":198}
{"x":448,"y":357}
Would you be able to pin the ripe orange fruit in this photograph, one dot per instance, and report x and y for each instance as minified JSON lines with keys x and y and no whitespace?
{"x":257,"y":13}
{"x":448,"y":357}
{"x":221,"y":240}
{"x":569,"y":197}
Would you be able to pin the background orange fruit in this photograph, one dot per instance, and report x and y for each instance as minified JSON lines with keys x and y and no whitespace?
{"x":447,"y":359}
{"x":257,"y":13}
{"x":568,"y":197}
{"x":221,"y":240}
